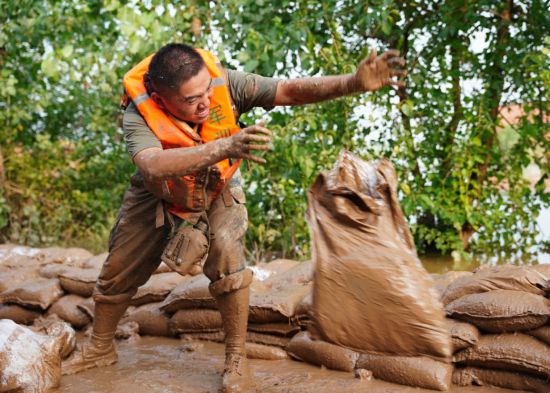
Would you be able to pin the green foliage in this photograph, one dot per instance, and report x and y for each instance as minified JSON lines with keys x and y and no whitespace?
{"x":461,"y":177}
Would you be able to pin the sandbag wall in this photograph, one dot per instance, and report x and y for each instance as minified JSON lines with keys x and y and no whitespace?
{"x":499,"y":322}
{"x":56,"y":282}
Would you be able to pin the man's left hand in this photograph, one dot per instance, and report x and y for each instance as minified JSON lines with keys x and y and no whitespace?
{"x":375,"y":72}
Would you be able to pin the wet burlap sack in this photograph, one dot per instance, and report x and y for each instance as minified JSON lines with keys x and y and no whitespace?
{"x":52,"y":270}
{"x":192,"y":293}
{"x":278,"y":329}
{"x":501,"y":379}
{"x":195,"y":321}
{"x":267,"y":339}
{"x":96,"y":262}
{"x":217,"y":336}
{"x":67,"y":309}
{"x":87,"y":307}
{"x":151,"y":320}
{"x":321,"y":353}
{"x":277,"y":303}
{"x":370,"y":292}
{"x":265,"y":270}
{"x":13,"y":277}
{"x":37,"y":294}
{"x":265,"y":352}
{"x":442,"y":281}
{"x":30,"y":362}
{"x":501,"y":311}
{"x":66,"y":256}
{"x":542,"y":333}
{"x":511,"y":352}
{"x":79,"y":281}
{"x":463,"y":335}
{"x":157,"y":288}
{"x":18,"y":314}
{"x":417,"y":371}
{"x":543,"y":268}
{"x":514,"y":278}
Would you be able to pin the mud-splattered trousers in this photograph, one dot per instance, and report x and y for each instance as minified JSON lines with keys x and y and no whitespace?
{"x":136,"y":244}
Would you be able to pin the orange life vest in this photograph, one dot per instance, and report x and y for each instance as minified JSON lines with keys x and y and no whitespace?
{"x":195,"y":191}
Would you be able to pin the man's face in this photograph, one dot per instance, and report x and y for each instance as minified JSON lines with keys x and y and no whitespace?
{"x":191,"y":102}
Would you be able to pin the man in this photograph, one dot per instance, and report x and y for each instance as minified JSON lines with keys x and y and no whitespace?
{"x":186,"y":203}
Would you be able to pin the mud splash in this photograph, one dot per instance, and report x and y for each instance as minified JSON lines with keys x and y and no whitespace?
{"x":165,"y":365}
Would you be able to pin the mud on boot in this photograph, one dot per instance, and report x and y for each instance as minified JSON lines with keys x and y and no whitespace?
{"x":236,"y":374}
{"x":89,"y":355}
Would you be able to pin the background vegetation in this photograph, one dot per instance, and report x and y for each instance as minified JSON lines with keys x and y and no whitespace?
{"x":461,"y":167}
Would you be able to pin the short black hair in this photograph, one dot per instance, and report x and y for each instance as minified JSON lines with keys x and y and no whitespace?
{"x":171,"y":66}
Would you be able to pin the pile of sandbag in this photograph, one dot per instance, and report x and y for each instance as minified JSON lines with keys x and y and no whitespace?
{"x":190,"y":311}
{"x":373,"y":304}
{"x":499,"y":324}
{"x":59,"y":282}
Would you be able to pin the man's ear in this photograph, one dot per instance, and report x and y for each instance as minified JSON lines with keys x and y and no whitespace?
{"x":156,"y":98}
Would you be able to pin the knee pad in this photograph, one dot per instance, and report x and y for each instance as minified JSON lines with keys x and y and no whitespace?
{"x":231,"y":282}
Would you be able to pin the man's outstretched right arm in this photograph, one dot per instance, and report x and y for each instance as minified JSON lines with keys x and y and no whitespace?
{"x":156,"y":164}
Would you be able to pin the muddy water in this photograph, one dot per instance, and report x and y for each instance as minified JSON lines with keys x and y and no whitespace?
{"x":164,"y":365}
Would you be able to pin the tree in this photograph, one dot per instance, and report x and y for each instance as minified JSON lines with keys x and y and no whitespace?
{"x":66,"y":166}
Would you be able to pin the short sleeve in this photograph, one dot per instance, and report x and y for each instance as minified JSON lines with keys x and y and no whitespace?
{"x":251,"y":90}
{"x":137,"y":134}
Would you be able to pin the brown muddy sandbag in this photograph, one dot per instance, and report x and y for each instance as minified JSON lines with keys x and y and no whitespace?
{"x":37,"y":294}
{"x":442,"y":281}
{"x":151,"y":320}
{"x":297,"y":273}
{"x":511,"y":352}
{"x":501,"y":379}
{"x":542,"y":333}
{"x":217,"y":336}
{"x":52,"y":270}
{"x":463,"y":334}
{"x":95,"y":262}
{"x":267,"y":339}
{"x":513,"y":278}
{"x":157,"y":288}
{"x":195,"y":321}
{"x":370,"y":291}
{"x":30,"y":362}
{"x":265,"y":270}
{"x":277,"y":329}
{"x":12,"y":277}
{"x":417,"y":371}
{"x":543,"y":268}
{"x":87,"y":307}
{"x":501,"y":311}
{"x":192,"y":293}
{"x":67,"y":256}
{"x":276,"y":303}
{"x":79,"y":281}
{"x":18,"y":314}
{"x":67,"y":309}
{"x":265,"y":352}
{"x":321,"y":353}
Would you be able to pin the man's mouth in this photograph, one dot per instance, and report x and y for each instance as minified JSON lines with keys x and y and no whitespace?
{"x":203,"y":114}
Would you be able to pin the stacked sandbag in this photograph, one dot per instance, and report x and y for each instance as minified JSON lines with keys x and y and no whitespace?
{"x":277,"y":289}
{"x":371,"y":294}
{"x":507,"y":305}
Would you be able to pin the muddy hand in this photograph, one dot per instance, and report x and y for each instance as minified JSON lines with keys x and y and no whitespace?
{"x":375,"y":72}
{"x":249,"y":139}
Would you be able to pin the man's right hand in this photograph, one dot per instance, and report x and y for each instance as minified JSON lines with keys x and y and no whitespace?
{"x":253,"y":138}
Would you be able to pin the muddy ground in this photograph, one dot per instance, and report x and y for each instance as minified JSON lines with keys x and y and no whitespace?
{"x":164,"y":365}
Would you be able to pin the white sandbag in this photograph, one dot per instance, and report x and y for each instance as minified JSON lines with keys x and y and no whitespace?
{"x":30,"y":362}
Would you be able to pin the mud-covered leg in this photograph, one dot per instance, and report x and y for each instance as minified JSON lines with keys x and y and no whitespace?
{"x":135,"y":246}
{"x":230,"y":287}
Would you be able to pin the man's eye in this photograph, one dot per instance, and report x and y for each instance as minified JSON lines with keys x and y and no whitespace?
{"x":191,"y":101}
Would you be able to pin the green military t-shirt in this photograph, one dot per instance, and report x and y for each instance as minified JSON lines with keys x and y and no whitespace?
{"x":247,"y":90}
